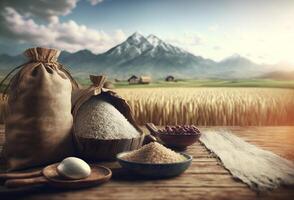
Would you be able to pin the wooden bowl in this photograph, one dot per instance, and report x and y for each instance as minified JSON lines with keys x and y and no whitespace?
{"x":97,"y":149}
{"x":176,"y":142}
{"x":102,"y":150}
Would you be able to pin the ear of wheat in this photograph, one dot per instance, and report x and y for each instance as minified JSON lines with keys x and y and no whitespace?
{"x":211,"y":106}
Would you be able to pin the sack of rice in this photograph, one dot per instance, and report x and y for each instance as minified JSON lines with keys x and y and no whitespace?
{"x":39,"y":120}
{"x":103,"y":123}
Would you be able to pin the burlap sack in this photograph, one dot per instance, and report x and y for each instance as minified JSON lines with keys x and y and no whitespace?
{"x":39,"y":121}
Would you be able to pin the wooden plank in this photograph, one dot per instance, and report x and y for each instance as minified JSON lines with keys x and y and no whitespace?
{"x":206,"y":168}
{"x":141,"y":193}
{"x":187,"y":180}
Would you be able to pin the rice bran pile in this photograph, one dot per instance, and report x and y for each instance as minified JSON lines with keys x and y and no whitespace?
{"x":154,"y":153}
{"x":99,"y":119}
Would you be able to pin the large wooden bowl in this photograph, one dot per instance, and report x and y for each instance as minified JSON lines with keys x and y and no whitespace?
{"x":95,"y":149}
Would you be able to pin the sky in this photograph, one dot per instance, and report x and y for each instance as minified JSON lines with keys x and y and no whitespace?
{"x":261,"y":30}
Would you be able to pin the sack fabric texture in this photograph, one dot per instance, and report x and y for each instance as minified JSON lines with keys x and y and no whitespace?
{"x":39,"y":121}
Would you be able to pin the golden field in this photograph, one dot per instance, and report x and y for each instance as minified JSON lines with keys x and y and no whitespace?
{"x":211,"y":106}
{"x":208,"y":106}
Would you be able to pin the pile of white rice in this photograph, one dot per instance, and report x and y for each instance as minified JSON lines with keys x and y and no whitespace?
{"x":98,"y":119}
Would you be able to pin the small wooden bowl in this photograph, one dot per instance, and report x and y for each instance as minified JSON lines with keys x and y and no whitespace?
{"x":176,"y":142}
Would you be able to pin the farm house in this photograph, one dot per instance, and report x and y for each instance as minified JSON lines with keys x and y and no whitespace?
{"x":133,"y":80}
{"x":145,"y":79}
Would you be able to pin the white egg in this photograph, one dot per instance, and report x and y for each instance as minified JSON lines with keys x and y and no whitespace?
{"x":74,"y":168}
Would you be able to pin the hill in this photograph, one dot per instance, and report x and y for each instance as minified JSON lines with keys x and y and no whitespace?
{"x":279,"y":75}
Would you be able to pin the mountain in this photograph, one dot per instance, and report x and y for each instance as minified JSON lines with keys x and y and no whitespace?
{"x":236,"y":60}
{"x":139,"y":55}
{"x":237,"y":66}
{"x":152,"y":56}
{"x":134,"y":46}
{"x":279,"y":75}
{"x":149,"y":56}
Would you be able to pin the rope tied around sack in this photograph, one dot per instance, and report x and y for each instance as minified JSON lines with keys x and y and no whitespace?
{"x":60,"y":67}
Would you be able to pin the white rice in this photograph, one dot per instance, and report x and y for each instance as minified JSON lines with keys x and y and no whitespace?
{"x":99,"y":119}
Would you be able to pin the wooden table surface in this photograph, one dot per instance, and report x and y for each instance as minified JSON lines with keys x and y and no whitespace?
{"x":205,"y":179}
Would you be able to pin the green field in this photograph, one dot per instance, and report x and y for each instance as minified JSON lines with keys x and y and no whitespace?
{"x":267,"y":83}
{"x":259,"y":83}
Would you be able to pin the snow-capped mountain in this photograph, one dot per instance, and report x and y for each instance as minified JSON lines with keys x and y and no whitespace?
{"x":146,"y":55}
{"x":149,"y":56}
{"x":134,"y":46}
{"x":137,"y":44}
{"x":159,"y":44}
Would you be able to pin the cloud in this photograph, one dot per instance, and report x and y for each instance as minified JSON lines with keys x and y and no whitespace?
{"x":41,"y":9}
{"x":95,"y":2}
{"x":217,"y":48}
{"x":213,"y":28}
{"x":187,"y":39}
{"x":68,"y":35}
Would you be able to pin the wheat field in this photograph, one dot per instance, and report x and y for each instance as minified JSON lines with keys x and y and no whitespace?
{"x":211,"y":106}
{"x":208,"y":106}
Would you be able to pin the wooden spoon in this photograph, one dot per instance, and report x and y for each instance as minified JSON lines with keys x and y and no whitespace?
{"x":150,"y":137}
{"x":152,"y":129}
